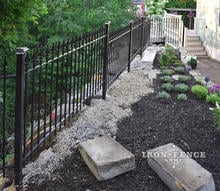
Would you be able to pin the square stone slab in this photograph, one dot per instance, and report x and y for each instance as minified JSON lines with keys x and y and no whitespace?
{"x":178,"y":170}
{"x":106,"y":158}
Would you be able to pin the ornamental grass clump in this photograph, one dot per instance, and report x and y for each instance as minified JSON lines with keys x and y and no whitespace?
{"x":200,"y":91}
{"x":184,"y":78}
{"x":163,"y":95}
{"x":182,"y":97}
{"x":167,"y":72}
{"x":166,"y":79}
{"x":167,"y":86}
{"x":182,"y":88}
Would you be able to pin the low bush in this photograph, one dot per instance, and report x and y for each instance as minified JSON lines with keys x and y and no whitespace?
{"x":166,"y":78}
{"x":168,"y":72}
{"x":184,"y":78}
{"x":167,"y":86}
{"x":200,"y":91}
{"x":178,"y":63}
{"x":180,"y":69}
{"x":182,"y":97}
{"x":213,"y":98}
{"x":163,"y":95}
{"x":182,"y":88}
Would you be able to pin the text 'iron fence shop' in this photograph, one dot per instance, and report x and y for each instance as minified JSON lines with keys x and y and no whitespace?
{"x":53,"y":83}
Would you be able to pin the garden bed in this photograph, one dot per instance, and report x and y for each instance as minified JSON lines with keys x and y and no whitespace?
{"x":154,"y":122}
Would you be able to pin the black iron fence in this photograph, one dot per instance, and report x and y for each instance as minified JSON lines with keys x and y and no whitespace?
{"x":53,"y":83}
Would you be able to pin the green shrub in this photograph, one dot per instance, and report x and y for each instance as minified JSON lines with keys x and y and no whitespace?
{"x":164,"y":60}
{"x":167,"y":86}
{"x":163,"y":95}
{"x":199,"y":82}
{"x":166,"y":79}
{"x":168,"y":72}
{"x":180,"y":69}
{"x":178,"y":63}
{"x":216,"y":113}
{"x":184,"y":78}
{"x":213,"y":98}
{"x":199,"y":91}
{"x":181,"y":88}
{"x":182,"y":97}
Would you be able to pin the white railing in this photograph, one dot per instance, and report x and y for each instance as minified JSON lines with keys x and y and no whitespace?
{"x":170,"y":28}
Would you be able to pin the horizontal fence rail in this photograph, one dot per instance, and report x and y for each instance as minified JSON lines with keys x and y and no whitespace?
{"x":53,"y":83}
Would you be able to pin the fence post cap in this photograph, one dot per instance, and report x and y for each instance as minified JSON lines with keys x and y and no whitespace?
{"x":107,"y":22}
{"x":21,"y":50}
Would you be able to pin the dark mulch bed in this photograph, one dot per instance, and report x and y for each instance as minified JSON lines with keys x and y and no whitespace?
{"x":154,"y":122}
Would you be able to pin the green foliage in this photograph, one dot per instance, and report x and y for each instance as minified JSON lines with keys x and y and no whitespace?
{"x":182,"y":88}
{"x":216,"y":113}
{"x":155,"y":7}
{"x":168,"y":72}
{"x":182,"y":97}
{"x":184,"y":78}
{"x":178,"y":63}
{"x":164,"y":60}
{"x":166,"y":79}
{"x":213,"y":99}
{"x":192,"y":62}
{"x":167,"y":86}
{"x":199,"y":91}
{"x":180,"y":69}
{"x":181,"y":4}
{"x":163,"y":95}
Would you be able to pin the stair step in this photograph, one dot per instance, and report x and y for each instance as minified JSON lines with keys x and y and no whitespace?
{"x":193,"y":44}
{"x":193,"y":38}
{"x":202,"y":53}
{"x":195,"y":49}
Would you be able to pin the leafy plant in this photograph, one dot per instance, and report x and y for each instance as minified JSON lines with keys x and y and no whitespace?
{"x":180,"y":69}
{"x":178,"y":63}
{"x":181,"y":88}
{"x":192,"y":62}
{"x":166,"y":78}
{"x":216,"y":113}
{"x":184,"y":78}
{"x":213,"y":98}
{"x":199,"y":91}
{"x":164,"y":60}
{"x":168,"y":72}
{"x":167,"y":86}
{"x":182,"y":97}
{"x":163,"y":95}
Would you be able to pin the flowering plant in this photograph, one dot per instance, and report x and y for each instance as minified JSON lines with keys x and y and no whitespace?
{"x":215,"y":89}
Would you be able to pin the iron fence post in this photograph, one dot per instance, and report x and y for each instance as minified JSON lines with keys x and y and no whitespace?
{"x":19,"y":112}
{"x":105,"y":57}
{"x":142,"y":35}
{"x":130,"y":46}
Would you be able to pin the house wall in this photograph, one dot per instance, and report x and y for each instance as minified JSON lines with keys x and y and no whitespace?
{"x":207,"y":26}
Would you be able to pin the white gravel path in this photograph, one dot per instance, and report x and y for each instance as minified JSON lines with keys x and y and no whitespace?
{"x":98,"y":119}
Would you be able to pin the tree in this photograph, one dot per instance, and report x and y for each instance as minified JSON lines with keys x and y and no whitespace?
{"x":181,"y":4}
{"x":15,"y":17}
{"x":155,"y":7}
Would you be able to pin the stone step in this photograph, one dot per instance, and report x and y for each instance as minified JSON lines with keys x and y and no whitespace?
{"x":106,"y":158}
{"x":193,"y":44}
{"x":201,"y":53}
{"x":179,"y":171}
{"x":192,"y":38}
{"x":149,"y":55}
{"x":195,"y":49}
